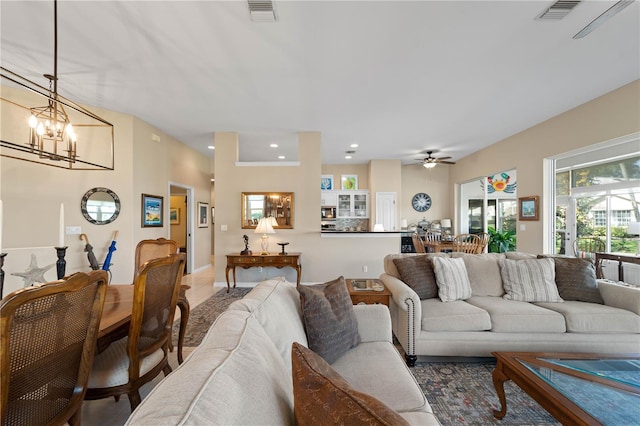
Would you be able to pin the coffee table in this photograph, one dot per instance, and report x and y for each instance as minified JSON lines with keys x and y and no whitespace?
{"x":580,"y":389}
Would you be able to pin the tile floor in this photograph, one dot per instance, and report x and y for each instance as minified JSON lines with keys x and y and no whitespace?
{"x":108,"y":412}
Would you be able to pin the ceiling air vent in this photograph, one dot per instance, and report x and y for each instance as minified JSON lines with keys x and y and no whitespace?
{"x":558,"y":10}
{"x":262,"y":11}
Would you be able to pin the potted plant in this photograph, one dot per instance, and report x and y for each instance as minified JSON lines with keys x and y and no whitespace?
{"x":501,"y":241}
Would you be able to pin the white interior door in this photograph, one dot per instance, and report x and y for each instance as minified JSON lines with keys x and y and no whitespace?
{"x":386,"y":210}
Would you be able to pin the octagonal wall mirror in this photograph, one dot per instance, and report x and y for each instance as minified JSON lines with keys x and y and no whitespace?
{"x":100,"y":206}
{"x":256,"y":205}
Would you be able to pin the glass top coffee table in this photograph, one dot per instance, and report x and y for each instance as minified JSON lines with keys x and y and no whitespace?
{"x":581,"y":389}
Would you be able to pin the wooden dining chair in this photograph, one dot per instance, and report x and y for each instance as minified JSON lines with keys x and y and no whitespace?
{"x":153,"y":249}
{"x":484,"y":241}
{"x":138,"y":358}
{"x":587,"y":247}
{"x":48,"y":343}
{"x":418,"y":243}
{"x":466,"y":243}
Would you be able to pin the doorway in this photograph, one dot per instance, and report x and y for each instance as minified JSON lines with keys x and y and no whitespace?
{"x":180,"y":220}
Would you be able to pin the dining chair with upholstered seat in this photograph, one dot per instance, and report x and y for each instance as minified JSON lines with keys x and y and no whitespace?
{"x":587,"y":247}
{"x":49,"y":334}
{"x":153,"y":249}
{"x":418,"y":243}
{"x":138,"y":358}
{"x":466,"y":243}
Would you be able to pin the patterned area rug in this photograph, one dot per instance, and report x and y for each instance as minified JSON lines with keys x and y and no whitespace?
{"x":460,"y":393}
{"x":202,"y":316}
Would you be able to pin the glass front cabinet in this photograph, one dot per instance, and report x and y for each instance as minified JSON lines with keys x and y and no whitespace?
{"x":353,"y":204}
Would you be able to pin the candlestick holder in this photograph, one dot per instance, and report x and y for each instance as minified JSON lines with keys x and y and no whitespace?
{"x":282,"y":245}
{"x":2,"y":255}
{"x":61,"y":264}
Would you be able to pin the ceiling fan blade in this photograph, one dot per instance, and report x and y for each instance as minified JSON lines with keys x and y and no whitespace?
{"x":444,"y":158}
{"x":447,"y":162}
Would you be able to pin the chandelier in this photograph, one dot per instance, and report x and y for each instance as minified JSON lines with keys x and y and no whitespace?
{"x":47,"y":135}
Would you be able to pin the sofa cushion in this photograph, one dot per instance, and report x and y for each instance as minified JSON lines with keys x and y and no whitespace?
{"x":234,"y":356}
{"x":390,"y":266}
{"x":519,"y":255}
{"x":275,"y":303}
{"x":328,"y":318}
{"x":484,"y":273}
{"x":452,"y":279}
{"x":322,"y":396}
{"x":400,"y":390}
{"x":512,"y":316}
{"x":530,"y":280}
{"x":576,"y":279}
{"x":417,"y":273}
{"x":453,"y":316}
{"x":583,"y":317}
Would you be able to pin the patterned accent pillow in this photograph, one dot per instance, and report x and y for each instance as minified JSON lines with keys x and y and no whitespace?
{"x":322,"y":396}
{"x":417,"y":273}
{"x":451,"y":276}
{"x":328,"y":317}
{"x":530,"y":280}
{"x":576,"y":279}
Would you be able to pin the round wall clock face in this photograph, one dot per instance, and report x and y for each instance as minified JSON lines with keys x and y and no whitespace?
{"x":421,"y":202}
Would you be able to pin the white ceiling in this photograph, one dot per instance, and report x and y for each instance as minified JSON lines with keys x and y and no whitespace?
{"x":394,"y":77}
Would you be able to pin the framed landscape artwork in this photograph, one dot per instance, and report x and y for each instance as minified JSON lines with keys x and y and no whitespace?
{"x":528,"y":208}
{"x":152,"y":210}
{"x":174,"y":216}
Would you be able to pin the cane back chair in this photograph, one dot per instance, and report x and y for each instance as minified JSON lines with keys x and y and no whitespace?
{"x":418,"y":243}
{"x":466,"y":243}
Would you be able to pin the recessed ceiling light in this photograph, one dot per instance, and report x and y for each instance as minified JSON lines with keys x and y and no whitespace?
{"x":282,"y":157}
{"x":274,"y":145}
{"x":354,"y":145}
{"x":348,"y":157}
{"x":211,"y":147}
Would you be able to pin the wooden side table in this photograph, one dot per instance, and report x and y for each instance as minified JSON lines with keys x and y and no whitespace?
{"x":276,"y":260}
{"x":370,"y":297}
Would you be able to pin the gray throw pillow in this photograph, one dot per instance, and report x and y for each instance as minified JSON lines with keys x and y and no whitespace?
{"x":576,"y":279}
{"x":417,"y":273}
{"x":329,"y":320}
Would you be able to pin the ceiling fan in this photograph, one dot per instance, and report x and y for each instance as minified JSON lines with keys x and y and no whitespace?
{"x":430,"y":161}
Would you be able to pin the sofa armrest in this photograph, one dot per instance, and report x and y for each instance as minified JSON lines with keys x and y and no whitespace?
{"x":620,"y":296}
{"x":374,"y":323}
{"x":407,"y":314}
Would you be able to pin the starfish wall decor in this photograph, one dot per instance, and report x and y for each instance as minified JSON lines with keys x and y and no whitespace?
{"x":33,"y":274}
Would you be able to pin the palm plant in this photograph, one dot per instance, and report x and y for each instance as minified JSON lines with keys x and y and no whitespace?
{"x":501,"y":241}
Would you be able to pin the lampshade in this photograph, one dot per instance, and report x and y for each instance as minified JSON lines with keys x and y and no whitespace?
{"x":429,"y":165}
{"x":445,"y":223}
{"x":264,"y":227}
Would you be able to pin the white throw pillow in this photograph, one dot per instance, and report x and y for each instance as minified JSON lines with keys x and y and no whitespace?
{"x":453,"y":281}
{"x":530,"y":280}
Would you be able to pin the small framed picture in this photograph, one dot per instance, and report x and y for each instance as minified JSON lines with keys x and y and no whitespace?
{"x":349,"y":182}
{"x":174,"y":216}
{"x":326,"y":182}
{"x":528,"y":208}
{"x":152,"y":208}
{"x":203,"y":215}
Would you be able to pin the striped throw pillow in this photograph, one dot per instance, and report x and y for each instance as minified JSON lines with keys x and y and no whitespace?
{"x":530,"y":280}
{"x":451,"y":276}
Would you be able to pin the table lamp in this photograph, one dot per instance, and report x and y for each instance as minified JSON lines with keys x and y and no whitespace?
{"x":264,"y":227}
{"x":445,"y":224}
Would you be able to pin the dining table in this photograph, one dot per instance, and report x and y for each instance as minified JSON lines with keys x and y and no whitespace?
{"x":116,"y":315}
{"x":438,"y":246}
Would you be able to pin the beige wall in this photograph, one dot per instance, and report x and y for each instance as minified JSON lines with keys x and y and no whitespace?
{"x":434,"y":182}
{"x":607,"y":117}
{"x":32,"y":194}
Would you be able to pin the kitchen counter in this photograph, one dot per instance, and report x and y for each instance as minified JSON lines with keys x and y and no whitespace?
{"x":326,"y":233}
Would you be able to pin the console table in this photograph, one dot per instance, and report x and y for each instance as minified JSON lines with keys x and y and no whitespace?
{"x":234,"y":260}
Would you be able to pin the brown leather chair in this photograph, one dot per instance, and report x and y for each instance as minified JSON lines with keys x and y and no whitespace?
{"x":49,"y":336}
{"x":139,"y":357}
{"x":418,"y":243}
{"x":466,"y":243}
{"x":153,"y":249}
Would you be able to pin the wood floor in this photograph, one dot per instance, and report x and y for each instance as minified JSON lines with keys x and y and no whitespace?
{"x":108,"y":412}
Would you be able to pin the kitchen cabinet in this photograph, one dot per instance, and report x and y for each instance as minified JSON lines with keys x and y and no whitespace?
{"x":353,"y":204}
{"x":329,"y":198}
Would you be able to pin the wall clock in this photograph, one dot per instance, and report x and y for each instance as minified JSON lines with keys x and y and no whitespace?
{"x":421,"y":202}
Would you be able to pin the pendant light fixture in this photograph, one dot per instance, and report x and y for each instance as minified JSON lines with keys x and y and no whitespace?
{"x":45,"y":134}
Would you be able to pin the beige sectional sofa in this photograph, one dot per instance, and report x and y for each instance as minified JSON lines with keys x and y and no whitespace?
{"x":241,"y":374}
{"x":487,"y":321}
